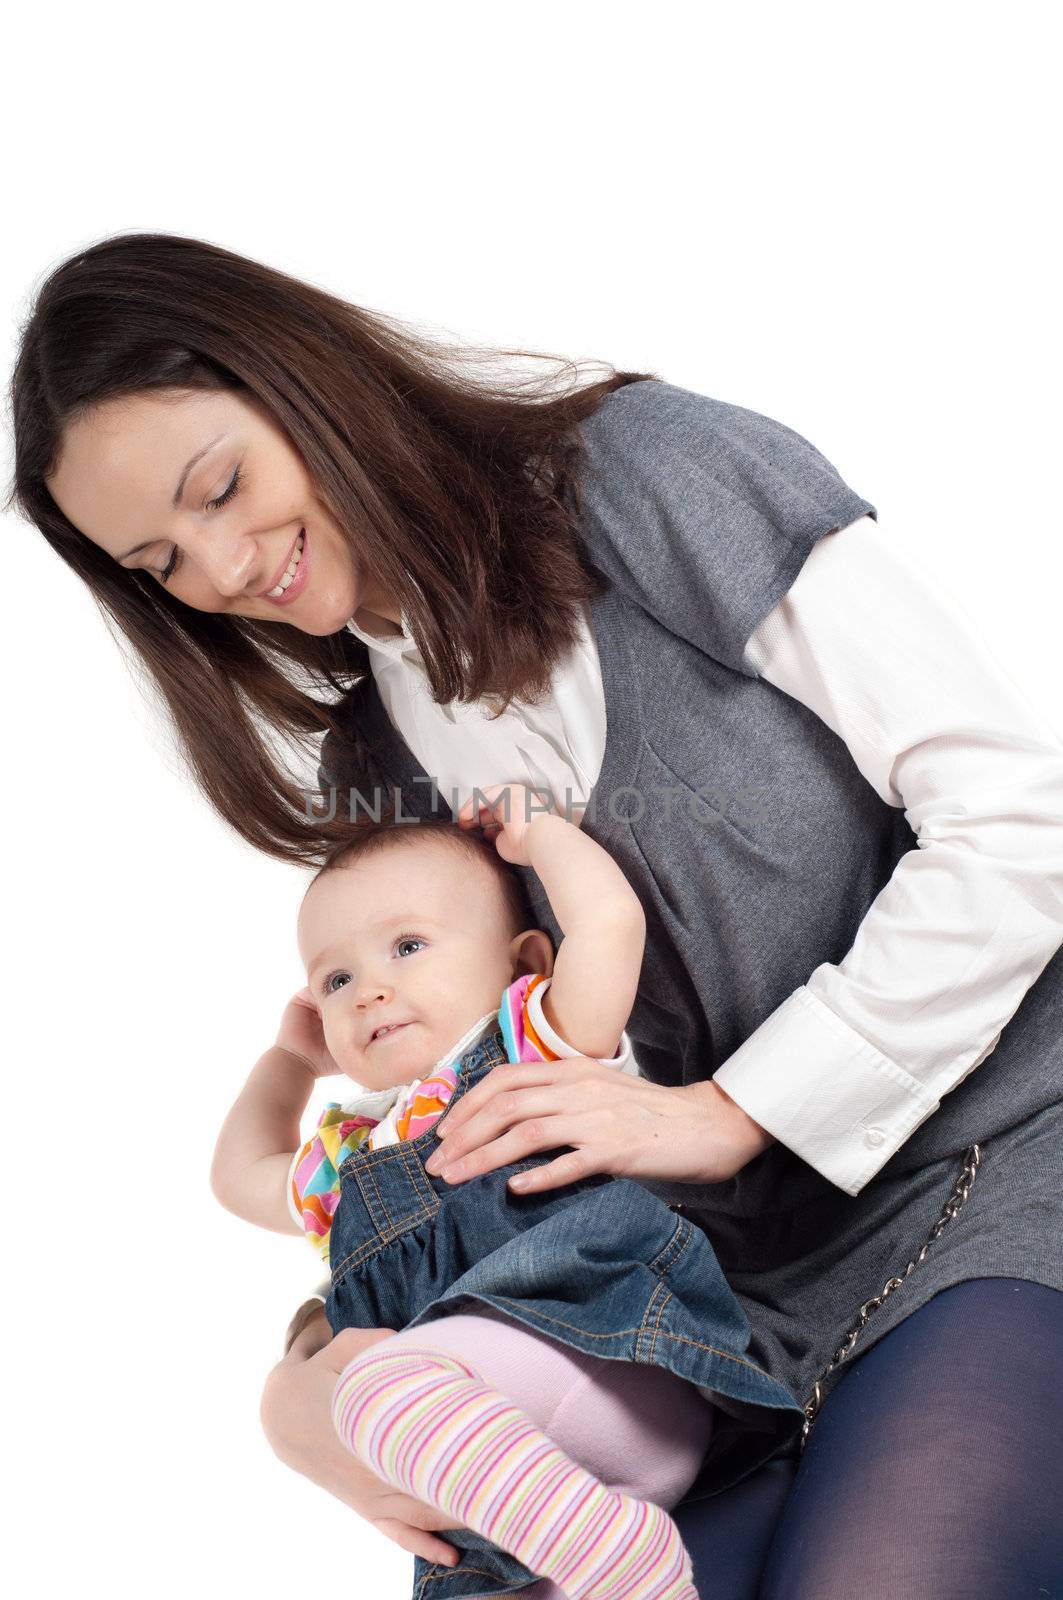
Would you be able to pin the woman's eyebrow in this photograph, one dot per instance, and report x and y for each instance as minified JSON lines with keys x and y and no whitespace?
{"x":178,"y":492}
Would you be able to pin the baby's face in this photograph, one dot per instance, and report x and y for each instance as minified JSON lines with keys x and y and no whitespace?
{"x":415,"y":935}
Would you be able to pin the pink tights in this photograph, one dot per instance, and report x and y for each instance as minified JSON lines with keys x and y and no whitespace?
{"x":637,"y":1428}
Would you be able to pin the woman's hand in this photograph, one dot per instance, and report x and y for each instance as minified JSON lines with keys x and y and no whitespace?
{"x":296,"y":1414}
{"x":616,"y":1123}
{"x":302,"y":1035}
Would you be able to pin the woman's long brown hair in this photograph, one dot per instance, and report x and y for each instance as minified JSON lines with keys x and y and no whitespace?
{"x":460,"y":497}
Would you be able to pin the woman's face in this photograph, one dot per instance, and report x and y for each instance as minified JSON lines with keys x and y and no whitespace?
{"x":204,"y":491}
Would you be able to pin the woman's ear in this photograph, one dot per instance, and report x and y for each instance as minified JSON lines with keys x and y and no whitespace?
{"x":532,"y":951}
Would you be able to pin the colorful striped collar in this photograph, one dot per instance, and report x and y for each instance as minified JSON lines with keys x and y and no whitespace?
{"x":377,"y":1103}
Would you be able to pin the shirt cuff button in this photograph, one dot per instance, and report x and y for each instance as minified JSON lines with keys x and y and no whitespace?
{"x":874,"y":1137}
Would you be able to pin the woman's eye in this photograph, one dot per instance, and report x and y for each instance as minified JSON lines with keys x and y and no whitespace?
{"x":212,"y":505}
{"x":223,"y":499}
{"x":343,"y":977}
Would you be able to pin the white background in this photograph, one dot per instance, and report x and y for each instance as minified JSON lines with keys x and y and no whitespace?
{"x":840,"y":216}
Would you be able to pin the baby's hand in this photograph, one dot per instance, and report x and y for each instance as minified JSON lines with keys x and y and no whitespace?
{"x":302,"y":1035}
{"x":505,"y":814}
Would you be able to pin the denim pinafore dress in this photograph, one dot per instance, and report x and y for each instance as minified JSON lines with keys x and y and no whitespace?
{"x":601,"y":1265}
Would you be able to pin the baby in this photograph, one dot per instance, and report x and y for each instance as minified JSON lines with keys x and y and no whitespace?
{"x":564,"y":1354}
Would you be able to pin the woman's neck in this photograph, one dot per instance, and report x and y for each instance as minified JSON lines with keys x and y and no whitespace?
{"x":373,"y":622}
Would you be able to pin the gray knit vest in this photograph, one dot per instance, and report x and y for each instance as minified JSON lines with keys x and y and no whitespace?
{"x":752,"y":839}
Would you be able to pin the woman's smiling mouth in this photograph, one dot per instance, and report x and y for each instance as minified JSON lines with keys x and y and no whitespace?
{"x":292,"y":579}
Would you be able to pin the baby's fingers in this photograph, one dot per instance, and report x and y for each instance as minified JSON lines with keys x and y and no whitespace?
{"x":305,"y":997}
{"x":490,"y":811}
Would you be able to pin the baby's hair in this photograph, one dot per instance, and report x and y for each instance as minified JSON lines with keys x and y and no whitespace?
{"x":369,"y":838}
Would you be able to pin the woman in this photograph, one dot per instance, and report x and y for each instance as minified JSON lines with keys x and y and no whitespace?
{"x":843,"y":821}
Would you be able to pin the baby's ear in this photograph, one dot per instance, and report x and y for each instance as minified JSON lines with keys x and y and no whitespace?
{"x":533,"y":951}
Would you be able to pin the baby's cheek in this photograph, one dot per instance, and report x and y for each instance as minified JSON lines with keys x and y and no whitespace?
{"x":340,"y":1050}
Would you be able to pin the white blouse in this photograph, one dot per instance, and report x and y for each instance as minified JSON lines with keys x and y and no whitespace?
{"x":856,"y":1058}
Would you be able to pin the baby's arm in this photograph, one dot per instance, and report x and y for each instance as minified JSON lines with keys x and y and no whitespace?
{"x":259,"y":1138}
{"x":596,"y":969}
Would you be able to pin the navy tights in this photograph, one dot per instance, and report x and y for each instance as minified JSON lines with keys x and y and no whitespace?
{"x":934,"y":1471}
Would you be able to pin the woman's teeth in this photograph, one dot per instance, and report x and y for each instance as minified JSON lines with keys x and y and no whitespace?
{"x":290,"y":573}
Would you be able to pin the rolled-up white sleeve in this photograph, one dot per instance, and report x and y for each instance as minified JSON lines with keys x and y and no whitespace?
{"x":852,"y":1062}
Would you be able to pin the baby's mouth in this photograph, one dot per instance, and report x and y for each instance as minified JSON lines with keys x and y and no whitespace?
{"x":386,"y":1030}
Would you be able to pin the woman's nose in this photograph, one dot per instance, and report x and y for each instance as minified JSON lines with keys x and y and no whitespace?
{"x":233,"y":563}
{"x":237,"y":572}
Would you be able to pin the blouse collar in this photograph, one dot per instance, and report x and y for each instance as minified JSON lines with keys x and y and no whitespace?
{"x":400,"y":648}
{"x":393,"y":644}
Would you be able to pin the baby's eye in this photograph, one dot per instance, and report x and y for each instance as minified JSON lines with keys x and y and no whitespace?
{"x":337,"y":980}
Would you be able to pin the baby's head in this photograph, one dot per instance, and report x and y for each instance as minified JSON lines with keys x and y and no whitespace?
{"x":420,"y":924}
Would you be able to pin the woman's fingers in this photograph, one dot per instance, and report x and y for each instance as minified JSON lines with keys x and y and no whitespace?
{"x":508,"y":1078}
{"x":348,"y":1343}
{"x":490,"y":1118}
{"x":523,"y":1098}
{"x":416,"y":1514}
{"x":569,"y":1168}
{"x":528,"y":1137}
{"x":616,"y":1123}
{"x":417,"y":1543}
{"x":296,"y":1415}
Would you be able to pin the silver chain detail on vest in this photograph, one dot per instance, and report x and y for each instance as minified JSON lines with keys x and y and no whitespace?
{"x":961,"y":1190}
